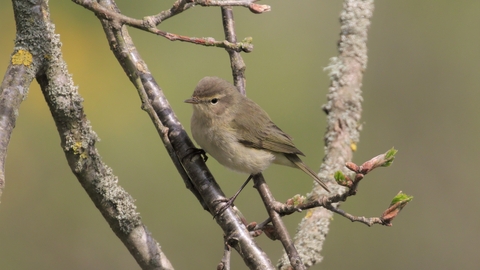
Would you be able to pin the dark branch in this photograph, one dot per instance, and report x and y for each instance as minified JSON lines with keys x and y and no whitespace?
{"x":193,"y":170}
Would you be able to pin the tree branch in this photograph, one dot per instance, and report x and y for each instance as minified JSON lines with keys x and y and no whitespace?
{"x":297,"y":203}
{"x":13,"y":91}
{"x":20,"y":72}
{"x":236,"y":61}
{"x":36,"y":38}
{"x":281,"y":231}
{"x":238,"y":72}
{"x":193,"y":170}
{"x":148,"y":23}
{"x":343,"y":110}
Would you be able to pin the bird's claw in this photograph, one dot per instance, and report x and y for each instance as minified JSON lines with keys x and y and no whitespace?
{"x":228,"y":203}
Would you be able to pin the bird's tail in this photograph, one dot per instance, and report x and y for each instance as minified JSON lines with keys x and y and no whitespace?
{"x":299,"y":163}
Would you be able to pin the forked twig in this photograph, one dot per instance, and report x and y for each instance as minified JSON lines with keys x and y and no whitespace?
{"x":149,"y":23}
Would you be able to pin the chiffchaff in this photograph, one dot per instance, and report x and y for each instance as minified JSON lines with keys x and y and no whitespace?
{"x":238,"y":133}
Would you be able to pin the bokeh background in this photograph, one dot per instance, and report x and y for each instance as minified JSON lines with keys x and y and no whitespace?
{"x":421,"y":95}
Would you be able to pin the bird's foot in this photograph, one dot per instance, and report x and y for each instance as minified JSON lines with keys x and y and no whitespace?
{"x":228,"y":202}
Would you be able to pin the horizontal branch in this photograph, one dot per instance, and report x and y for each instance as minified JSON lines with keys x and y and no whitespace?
{"x":149,"y":23}
{"x":182,"y":5}
{"x":297,"y":203}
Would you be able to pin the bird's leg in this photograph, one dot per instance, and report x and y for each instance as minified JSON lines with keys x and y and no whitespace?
{"x":229,"y":202}
{"x":195,"y":151}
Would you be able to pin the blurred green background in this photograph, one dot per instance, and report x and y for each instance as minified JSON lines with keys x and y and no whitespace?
{"x":421,"y":95}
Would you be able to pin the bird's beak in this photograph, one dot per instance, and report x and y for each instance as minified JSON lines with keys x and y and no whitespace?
{"x":192,"y":100}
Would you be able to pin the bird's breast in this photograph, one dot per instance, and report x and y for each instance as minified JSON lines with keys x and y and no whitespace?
{"x":222,"y":144}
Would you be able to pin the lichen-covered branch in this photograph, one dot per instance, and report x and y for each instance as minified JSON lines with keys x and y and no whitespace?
{"x":37,"y":55}
{"x":13,"y":91}
{"x":343,"y":111}
{"x":20,"y":73}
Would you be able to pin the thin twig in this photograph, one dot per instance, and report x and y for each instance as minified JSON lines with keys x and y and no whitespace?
{"x":149,"y":22}
{"x":236,"y":61}
{"x":178,"y":7}
{"x":332,"y":203}
{"x":225,"y":263}
{"x":367,"y":221}
{"x":182,"y":5}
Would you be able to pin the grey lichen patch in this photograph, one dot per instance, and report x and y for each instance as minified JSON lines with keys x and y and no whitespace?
{"x":81,"y":141}
{"x":81,"y":131}
{"x":118,"y":200}
{"x":311,"y":238}
{"x":343,"y":104}
{"x":346,"y":71}
{"x":355,"y":21}
{"x":34,"y":31}
{"x":62,"y":92}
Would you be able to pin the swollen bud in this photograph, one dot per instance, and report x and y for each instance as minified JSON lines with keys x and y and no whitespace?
{"x":258,"y":9}
{"x":397,"y":204}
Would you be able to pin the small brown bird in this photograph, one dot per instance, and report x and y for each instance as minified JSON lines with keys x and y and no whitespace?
{"x":238,"y":133}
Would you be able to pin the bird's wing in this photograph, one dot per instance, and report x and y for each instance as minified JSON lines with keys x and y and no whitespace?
{"x":269,"y":137}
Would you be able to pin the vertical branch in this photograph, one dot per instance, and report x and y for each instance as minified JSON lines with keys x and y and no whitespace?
{"x":343,"y":111}
{"x":236,"y":60}
{"x":20,"y":72}
{"x":13,"y":91}
{"x":238,"y":72}
{"x":280,"y":228}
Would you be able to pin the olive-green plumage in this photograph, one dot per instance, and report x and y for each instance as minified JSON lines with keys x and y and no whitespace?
{"x":238,"y":133}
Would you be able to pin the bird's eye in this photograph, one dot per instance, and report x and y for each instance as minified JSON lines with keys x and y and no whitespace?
{"x":214,"y":100}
